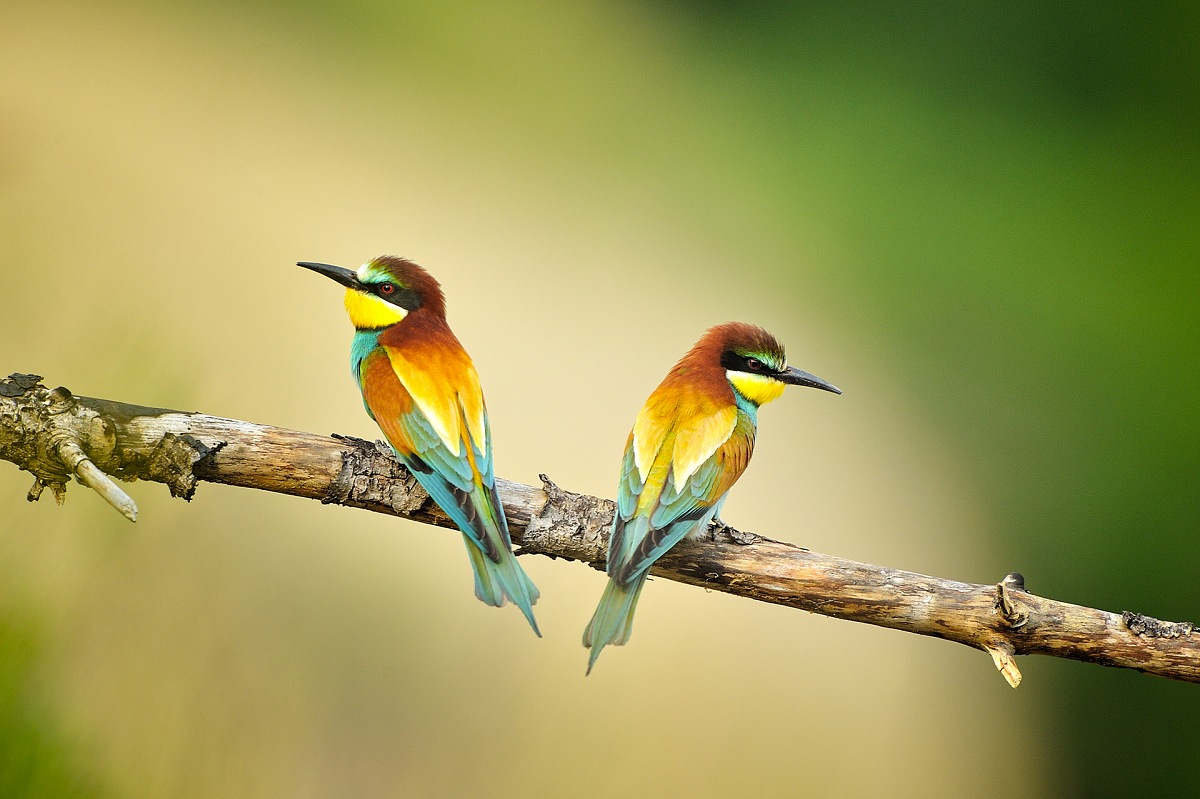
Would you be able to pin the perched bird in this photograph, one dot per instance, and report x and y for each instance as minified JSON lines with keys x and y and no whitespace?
{"x":690,"y":443}
{"x":420,"y":387}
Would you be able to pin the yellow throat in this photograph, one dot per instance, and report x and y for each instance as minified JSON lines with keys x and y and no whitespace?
{"x":759,"y":389}
{"x":368,"y":311}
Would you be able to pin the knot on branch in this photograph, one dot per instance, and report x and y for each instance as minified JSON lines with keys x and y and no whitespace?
{"x":1006,"y":604}
{"x":581,"y":520}
{"x":1014,"y":615}
{"x":46,"y":432}
{"x":371,"y":475}
{"x":26,"y":438}
{"x":174,"y":461}
{"x":1149,"y":627}
{"x":29,"y":433}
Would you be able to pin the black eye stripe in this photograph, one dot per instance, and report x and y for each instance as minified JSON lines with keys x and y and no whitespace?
{"x":396,"y":294}
{"x":745,"y":363}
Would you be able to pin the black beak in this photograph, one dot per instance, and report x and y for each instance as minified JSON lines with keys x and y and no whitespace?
{"x":798,"y":377}
{"x":346,"y":277}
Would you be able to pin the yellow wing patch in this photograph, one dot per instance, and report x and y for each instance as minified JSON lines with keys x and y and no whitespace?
{"x":693,"y":432}
{"x":649,"y":431}
{"x":446,"y":389}
{"x":697,"y":439}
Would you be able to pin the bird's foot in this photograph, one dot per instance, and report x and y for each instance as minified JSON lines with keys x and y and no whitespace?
{"x":719,"y":529}
{"x":715,"y":528}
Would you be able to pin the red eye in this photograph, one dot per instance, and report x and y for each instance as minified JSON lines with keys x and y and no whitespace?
{"x":387,"y":288}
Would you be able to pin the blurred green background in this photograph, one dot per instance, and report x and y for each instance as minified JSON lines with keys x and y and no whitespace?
{"x":982,"y":222}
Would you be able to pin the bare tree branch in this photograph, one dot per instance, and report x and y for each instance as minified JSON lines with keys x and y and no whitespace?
{"x":56,"y":435}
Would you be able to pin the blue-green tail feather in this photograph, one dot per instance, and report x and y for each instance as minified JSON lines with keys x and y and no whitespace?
{"x":612,"y":623}
{"x":497,"y":583}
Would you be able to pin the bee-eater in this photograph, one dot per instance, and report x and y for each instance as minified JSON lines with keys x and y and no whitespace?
{"x":420,"y":387}
{"x":690,"y":443}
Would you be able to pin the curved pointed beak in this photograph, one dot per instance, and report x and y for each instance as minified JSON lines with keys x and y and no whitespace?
{"x":799,"y":377}
{"x":347,"y":277}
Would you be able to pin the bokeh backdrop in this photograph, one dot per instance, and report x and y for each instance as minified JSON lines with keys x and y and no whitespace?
{"x":981,"y":221}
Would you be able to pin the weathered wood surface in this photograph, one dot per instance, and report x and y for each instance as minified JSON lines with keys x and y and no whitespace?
{"x":56,"y":435}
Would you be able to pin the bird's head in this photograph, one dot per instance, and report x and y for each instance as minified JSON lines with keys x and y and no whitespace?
{"x":384,"y":290}
{"x":754,"y":362}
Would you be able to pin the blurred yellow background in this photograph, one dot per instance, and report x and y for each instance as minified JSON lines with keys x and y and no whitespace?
{"x":595,"y":183}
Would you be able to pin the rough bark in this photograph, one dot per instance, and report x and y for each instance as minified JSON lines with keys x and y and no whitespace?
{"x":56,"y":435}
